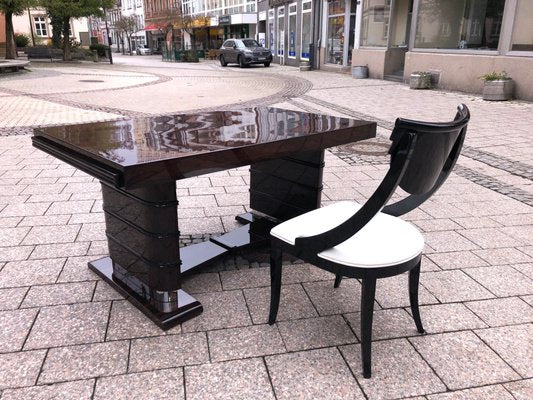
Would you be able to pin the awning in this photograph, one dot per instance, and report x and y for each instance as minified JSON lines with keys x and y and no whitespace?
{"x":151,"y":27}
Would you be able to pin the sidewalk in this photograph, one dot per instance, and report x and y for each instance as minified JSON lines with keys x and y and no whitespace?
{"x":66,"y":334}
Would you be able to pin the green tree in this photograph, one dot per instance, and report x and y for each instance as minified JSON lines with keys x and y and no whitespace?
{"x":63,"y":11}
{"x":127,"y":26}
{"x":10,"y":8}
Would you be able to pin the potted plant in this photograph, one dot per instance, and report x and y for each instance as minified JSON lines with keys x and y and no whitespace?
{"x":497,"y":86}
{"x":420,"y":80}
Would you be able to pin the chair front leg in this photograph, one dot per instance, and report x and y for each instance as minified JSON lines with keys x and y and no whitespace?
{"x":275,"y":283}
{"x":368,"y":293}
{"x":338,"y":279}
{"x":414,"y":277}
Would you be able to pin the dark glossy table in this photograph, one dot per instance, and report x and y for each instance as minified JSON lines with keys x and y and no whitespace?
{"x":138,"y":163}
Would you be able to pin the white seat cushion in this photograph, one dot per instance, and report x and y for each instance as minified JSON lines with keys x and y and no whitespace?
{"x":384,"y":241}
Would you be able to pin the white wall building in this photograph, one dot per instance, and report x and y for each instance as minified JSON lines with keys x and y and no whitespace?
{"x":134,"y":7}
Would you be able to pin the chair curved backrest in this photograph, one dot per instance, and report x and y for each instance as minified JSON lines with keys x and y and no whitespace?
{"x":423,"y":155}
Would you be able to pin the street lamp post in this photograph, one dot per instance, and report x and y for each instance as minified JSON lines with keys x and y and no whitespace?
{"x":108,"y":38}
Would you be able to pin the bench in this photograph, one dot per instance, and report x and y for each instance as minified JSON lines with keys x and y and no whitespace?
{"x":43,"y":53}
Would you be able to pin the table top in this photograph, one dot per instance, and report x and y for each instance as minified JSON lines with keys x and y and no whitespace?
{"x":171,"y":147}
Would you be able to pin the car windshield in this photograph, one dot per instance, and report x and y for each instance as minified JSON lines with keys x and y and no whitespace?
{"x":250,"y":43}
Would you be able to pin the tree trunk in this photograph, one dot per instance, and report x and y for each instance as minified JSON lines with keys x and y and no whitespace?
{"x":11,"y":50}
{"x":123,"y":45}
{"x":57,"y":27}
{"x":66,"y":39}
{"x":129,"y":45}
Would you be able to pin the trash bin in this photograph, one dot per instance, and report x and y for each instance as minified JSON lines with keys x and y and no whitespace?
{"x":95,"y":56}
{"x":360,"y":72}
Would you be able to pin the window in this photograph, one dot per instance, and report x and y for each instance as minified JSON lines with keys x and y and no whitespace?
{"x":522,"y":30}
{"x":306,"y":30}
{"x":271,"y":32}
{"x":281,"y":31}
{"x":375,"y":24}
{"x":292,"y":30}
{"x":40,"y":26}
{"x":335,"y":43}
{"x":459,"y":24}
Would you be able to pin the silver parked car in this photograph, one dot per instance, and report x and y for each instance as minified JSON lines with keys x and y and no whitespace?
{"x":244,"y":52}
{"x":143,"y":50}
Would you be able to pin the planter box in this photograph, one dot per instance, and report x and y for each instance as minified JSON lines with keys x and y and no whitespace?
{"x":360,"y":72}
{"x":498,"y":90}
{"x":420,"y":81}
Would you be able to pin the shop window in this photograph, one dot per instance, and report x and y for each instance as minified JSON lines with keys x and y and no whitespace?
{"x":335,"y":43}
{"x":306,"y":30}
{"x":40,"y":26}
{"x":375,"y":23}
{"x":522,"y":30}
{"x":271,"y":32}
{"x":292,"y":30}
{"x":281,"y":31}
{"x":459,"y":24}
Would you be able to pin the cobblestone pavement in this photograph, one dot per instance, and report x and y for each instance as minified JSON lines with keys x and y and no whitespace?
{"x":64,"y":334}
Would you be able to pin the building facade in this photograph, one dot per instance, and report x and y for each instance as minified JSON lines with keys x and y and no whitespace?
{"x":35,"y":24}
{"x":2,"y":35}
{"x":455,"y":40}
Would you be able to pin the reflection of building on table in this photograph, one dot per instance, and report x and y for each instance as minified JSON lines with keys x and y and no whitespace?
{"x":139,"y":161}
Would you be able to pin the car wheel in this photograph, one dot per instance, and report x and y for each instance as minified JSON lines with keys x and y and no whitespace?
{"x":267,"y":64}
{"x":241,"y":62}
{"x":223,"y":61}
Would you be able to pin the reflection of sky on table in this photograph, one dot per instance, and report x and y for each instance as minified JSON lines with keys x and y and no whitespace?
{"x":171,"y":136}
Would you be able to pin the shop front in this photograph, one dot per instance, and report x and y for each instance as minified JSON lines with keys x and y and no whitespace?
{"x":218,"y":29}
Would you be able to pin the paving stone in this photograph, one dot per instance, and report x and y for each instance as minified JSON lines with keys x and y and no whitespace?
{"x":386,"y":324}
{"x":162,"y":384}
{"x":44,"y":188}
{"x":9,"y":222}
{"x":313,"y":333}
{"x":432,"y":225}
{"x":10,"y":299}
{"x":76,"y":269}
{"x":202,"y":283}
{"x":48,"y":235}
{"x":294,"y":304}
{"x":521,"y":390}
{"x":457,"y":259}
{"x":45,"y":220}
{"x":329,"y":300}
{"x":505,"y":311}
{"x":87,"y":218}
{"x":250,"y":341}
{"x":80,"y":323}
{"x":246,"y":278}
{"x":33,"y":272}
{"x":77,"y":390}
{"x":168,"y":351}
{"x":51,"y":295}
{"x":477,"y":222}
{"x":528,"y":299}
{"x":493,"y":392}
{"x":454,"y":285}
{"x":304,"y":273}
{"x":489,"y":238}
{"x":448,"y":241}
{"x":221,"y":310}
{"x":104,"y":292}
{"x":60,"y":250}
{"x":503,"y":256}
{"x":397,"y":370}
{"x":90,"y":232}
{"x":15,"y":253}
{"x":313,"y":374}
{"x":70,"y":207}
{"x":12,"y":236}
{"x":438,"y":318}
{"x":514,"y":344}
{"x":16,"y":325}
{"x":20,"y":369}
{"x":502,"y":280}
{"x":526,"y":269}
{"x":239,"y":379}
{"x":394,"y":292}
{"x":195,"y":226}
{"x":462,"y":360}
{"x":85,"y":361}
{"x":207,"y":201}
{"x":126,"y":322}
{"x":98,"y":248}
{"x":24,"y":209}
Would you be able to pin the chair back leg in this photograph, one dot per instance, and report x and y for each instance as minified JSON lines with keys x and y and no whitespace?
{"x":275,"y":283}
{"x":414,"y":277}
{"x":368,"y":293}
{"x":338,"y":279}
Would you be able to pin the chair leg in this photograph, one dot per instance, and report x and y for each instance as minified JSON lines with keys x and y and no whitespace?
{"x":338,"y":279}
{"x":367,"y":312}
{"x":275,"y":283}
{"x":414,"y":276}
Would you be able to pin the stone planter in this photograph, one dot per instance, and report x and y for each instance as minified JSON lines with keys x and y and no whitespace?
{"x":420,"y":80}
{"x":498,"y":90}
{"x":360,"y":72}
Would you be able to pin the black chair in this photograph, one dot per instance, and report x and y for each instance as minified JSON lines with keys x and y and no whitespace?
{"x":369,"y":241}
